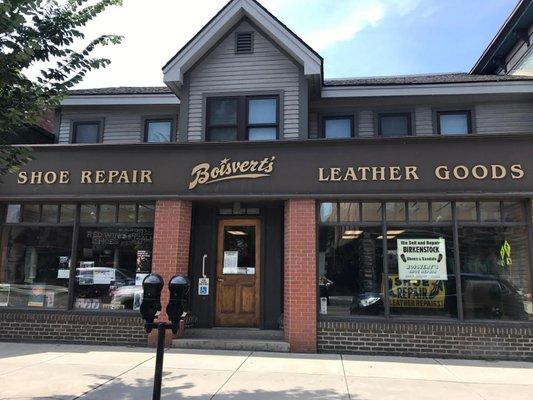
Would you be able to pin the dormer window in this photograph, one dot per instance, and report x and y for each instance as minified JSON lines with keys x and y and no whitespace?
{"x":244,"y":42}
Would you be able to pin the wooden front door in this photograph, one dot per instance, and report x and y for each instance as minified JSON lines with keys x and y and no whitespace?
{"x":238,"y":272}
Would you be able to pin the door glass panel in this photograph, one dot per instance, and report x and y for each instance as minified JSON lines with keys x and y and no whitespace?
{"x":239,"y":250}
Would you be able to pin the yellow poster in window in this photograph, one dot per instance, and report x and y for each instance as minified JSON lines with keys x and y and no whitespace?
{"x":416,"y":293}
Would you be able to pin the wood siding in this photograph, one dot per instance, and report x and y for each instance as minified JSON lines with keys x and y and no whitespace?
{"x":266,"y":70}
{"x":121,"y":124}
{"x":504,"y":117}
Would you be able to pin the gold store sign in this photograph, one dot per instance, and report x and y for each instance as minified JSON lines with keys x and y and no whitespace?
{"x":411,"y":173}
{"x":130,"y":176}
{"x":228,"y":170}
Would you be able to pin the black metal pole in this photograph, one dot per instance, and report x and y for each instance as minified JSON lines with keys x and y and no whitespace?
{"x":161,"y":328}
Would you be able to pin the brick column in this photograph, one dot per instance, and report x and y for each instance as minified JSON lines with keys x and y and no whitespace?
{"x":300,"y":307}
{"x":172,"y":231}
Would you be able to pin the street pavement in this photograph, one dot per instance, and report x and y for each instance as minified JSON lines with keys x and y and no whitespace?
{"x":47,"y":371}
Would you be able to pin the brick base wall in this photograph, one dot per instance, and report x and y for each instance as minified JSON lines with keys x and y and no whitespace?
{"x":427,"y":339}
{"x":72,"y":328}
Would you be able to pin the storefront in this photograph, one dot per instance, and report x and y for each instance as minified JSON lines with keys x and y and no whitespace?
{"x":386,"y":215}
{"x":315,"y":237}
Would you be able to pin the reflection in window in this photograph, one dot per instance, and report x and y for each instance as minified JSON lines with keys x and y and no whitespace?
{"x":350,"y":265}
{"x":222,"y":119}
{"x":262,"y":118}
{"x":34,"y":268}
{"x":86,"y":132}
{"x":441,"y":211}
{"x":394,"y":124}
{"x":372,"y":212}
{"x":158,"y":131}
{"x":495,"y":273}
{"x":112,"y":262}
{"x":454,"y":122}
{"x":337,"y":127}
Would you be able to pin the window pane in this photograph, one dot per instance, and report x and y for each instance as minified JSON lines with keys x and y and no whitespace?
{"x":262,"y":133}
{"x":35,"y":269}
{"x":158,"y":131}
{"x":146,"y":212}
{"x":335,"y":128}
{"x":328,"y":212}
{"x":495,"y":274}
{"x":394,"y":125}
{"x":418,"y":211}
{"x":126,"y":213}
{"x":466,"y":211}
{"x":68,"y":212}
{"x":88,"y":213}
{"x":31,"y":212}
{"x":50,"y":213}
{"x":453,"y":124}
{"x":421,"y":295}
{"x":112,"y":264}
{"x":372,"y":212}
{"x":395,"y":211}
{"x":350,"y":265}
{"x":441,"y":211}
{"x":86,"y":133}
{"x":262,"y":111}
{"x":513,"y":211}
{"x":13,"y":213}
{"x":222,"y":112}
{"x":108,"y":213}
{"x":222,"y":134}
{"x":490,"y":211}
{"x":349,"y":212}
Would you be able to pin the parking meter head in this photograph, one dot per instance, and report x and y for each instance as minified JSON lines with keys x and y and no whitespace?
{"x":151,"y":304}
{"x":178,"y":288}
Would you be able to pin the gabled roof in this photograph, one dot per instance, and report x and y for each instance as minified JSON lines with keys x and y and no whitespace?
{"x":222,"y":22}
{"x":500,"y":46}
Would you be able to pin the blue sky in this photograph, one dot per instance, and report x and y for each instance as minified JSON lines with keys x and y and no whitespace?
{"x":355,"y":37}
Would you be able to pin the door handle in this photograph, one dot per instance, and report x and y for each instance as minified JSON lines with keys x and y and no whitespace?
{"x":203,"y":265}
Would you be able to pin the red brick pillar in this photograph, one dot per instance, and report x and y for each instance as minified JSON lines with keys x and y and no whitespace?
{"x":300,"y":307}
{"x":172,"y":231}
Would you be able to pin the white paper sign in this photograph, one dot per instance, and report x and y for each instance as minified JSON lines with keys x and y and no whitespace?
{"x":422,"y":259}
{"x":231,"y":261}
{"x":203,"y":286}
{"x":324,"y":305}
{"x":139,"y":278}
{"x":63,"y":273}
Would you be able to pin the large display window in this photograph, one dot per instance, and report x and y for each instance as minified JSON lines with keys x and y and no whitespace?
{"x":431,"y":259}
{"x":90,"y":256}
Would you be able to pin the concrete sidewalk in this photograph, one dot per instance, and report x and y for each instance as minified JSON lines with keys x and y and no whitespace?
{"x":43,"y":371}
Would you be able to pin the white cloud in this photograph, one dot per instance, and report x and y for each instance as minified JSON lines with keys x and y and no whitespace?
{"x":155,"y":30}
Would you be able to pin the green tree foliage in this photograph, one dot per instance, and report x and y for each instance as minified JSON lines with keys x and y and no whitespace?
{"x":42,"y":31}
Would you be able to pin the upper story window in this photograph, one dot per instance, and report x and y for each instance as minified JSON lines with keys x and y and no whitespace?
{"x":242,"y":118}
{"x":337,"y":127}
{"x":158,"y":130}
{"x":86,"y":132}
{"x":454,"y":122}
{"x":394,"y":124}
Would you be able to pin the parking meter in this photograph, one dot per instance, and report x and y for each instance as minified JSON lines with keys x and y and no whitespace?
{"x":178,"y":287}
{"x":151,"y":304}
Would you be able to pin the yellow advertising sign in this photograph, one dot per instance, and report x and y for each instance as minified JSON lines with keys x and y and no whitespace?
{"x":416,"y":293}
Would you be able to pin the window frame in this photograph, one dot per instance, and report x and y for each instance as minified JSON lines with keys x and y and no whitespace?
{"x":454,"y":223}
{"x":334,"y":117}
{"x":148,"y":119}
{"x":242,"y":126}
{"x":78,"y":122}
{"x":247,"y":115}
{"x":75,"y":226}
{"x":466,"y":112}
{"x":407,"y":114}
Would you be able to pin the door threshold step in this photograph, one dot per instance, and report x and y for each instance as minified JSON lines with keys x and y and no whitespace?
{"x":277,"y":346}
{"x":233,"y":333}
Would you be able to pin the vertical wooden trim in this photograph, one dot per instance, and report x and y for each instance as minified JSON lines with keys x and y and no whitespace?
{"x":73,"y":258}
{"x":457,"y":260}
